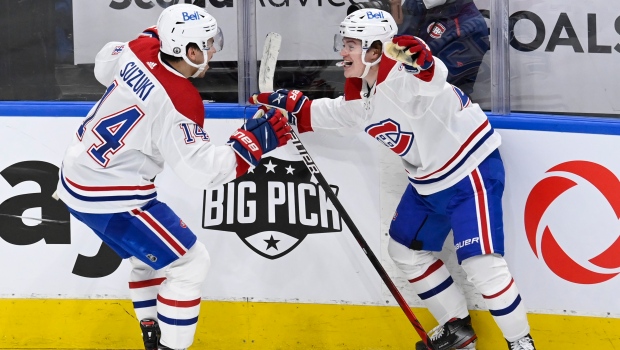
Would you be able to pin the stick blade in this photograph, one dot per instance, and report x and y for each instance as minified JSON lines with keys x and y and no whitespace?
{"x":266,"y":72}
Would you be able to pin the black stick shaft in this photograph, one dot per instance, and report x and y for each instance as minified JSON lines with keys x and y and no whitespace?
{"x":314,"y":169}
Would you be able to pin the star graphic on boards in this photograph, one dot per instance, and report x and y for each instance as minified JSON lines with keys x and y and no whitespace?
{"x":271,"y":242}
{"x":270,"y":167}
{"x":278,"y":99}
{"x":289,"y":169}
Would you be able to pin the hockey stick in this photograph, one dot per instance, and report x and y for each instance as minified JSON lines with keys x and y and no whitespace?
{"x":265,"y":79}
{"x":267,"y":69}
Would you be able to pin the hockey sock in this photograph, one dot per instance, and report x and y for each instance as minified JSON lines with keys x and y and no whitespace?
{"x":490,"y":275}
{"x":432,"y":282}
{"x":143,"y":288}
{"x":178,"y":302}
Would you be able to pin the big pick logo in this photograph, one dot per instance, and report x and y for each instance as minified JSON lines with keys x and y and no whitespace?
{"x":604,"y":264}
{"x":272,"y":209}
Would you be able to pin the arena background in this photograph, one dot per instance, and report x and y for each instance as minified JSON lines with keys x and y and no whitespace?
{"x":63,"y":289}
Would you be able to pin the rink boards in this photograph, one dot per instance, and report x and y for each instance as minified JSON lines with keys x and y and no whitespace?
{"x":318,"y":290}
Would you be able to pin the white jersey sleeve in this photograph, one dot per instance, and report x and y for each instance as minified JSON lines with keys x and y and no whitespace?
{"x":106,"y":60}
{"x":188,"y":150}
{"x":339,"y":115}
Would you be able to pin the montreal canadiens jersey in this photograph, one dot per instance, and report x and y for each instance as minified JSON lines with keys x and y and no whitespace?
{"x":149,"y":115}
{"x":440,"y":135}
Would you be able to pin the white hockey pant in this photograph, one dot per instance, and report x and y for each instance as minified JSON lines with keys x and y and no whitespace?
{"x":175,"y":303}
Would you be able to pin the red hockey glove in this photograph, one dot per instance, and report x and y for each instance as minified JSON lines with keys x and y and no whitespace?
{"x":414,"y":54}
{"x":280,"y":126}
{"x":259,"y":136}
{"x":294,"y":102}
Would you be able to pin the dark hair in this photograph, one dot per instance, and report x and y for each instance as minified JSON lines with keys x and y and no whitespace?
{"x":172,"y":59}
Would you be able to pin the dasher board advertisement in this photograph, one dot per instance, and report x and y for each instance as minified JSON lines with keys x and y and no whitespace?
{"x":561,"y":211}
{"x":272,"y":234}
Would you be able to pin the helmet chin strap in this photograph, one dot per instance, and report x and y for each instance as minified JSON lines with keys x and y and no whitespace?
{"x":368,"y":65}
{"x":201,"y":67}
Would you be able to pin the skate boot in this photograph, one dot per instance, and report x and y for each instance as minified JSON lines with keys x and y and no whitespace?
{"x":455,"y":334}
{"x":150,"y":333}
{"x":525,"y":343}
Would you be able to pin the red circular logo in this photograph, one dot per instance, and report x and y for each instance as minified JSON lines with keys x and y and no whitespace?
{"x":544,"y":194}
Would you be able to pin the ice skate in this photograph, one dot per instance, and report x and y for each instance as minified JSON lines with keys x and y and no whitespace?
{"x":525,"y":343}
{"x":150,"y":333}
{"x":455,"y":334}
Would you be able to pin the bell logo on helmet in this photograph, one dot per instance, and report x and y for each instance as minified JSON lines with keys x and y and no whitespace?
{"x":191,"y":16}
{"x":373,"y":15}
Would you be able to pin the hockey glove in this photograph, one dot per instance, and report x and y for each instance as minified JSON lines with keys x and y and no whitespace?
{"x":259,"y":136}
{"x":294,"y":102}
{"x":414,"y":54}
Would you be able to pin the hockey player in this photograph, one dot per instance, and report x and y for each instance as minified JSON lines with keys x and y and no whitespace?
{"x":149,"y":115}
{"x":397,"y":93}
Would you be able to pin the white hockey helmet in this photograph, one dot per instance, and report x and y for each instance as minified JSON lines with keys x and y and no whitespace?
{"x":367,"y":25}
{"x":181,"y":24}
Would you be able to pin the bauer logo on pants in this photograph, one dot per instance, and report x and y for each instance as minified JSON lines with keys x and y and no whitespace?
{"x":272,"y":209}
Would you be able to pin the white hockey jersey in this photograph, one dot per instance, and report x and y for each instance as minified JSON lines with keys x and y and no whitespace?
{"x":149,"y":115}
{"x":433,"y":126}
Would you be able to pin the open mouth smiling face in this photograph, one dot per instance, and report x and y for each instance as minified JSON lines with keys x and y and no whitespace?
{"x":351,"y":53}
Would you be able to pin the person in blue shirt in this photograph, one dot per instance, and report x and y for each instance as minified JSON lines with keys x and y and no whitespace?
{"x":454,"y":30}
